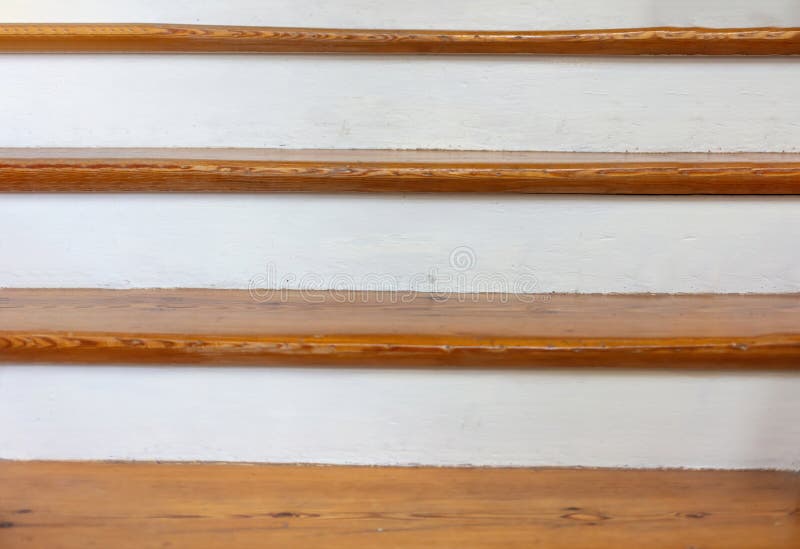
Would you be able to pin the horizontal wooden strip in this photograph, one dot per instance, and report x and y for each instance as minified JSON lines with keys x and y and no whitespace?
{"x":121,"y":505}
{"x":166,"y":38}
{"x":253,"y":170}
{"x":394,"y":329}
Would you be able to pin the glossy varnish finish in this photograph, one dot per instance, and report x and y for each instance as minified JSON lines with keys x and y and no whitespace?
{"x":165,"y":38}
{"x":266,"y":170}
{"x":383,"y":329}
{"x":126,"y":505}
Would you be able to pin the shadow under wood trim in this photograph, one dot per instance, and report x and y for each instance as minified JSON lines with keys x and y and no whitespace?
{"x":275,"y":170}
{"x":403,"y":329}
{"x":169,"y":38}
{"x":197,"y":506}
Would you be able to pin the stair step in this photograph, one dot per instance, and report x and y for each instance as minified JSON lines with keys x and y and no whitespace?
{"x":276,"y":170}
{"x":381,"y":328}
{"x":168,"y":38}
{"x":76,"y":504}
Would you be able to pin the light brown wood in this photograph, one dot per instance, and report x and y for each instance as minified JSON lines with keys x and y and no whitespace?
{"x":169,"y":38}
{"x":396,"y":329}
{"x":142,"y":506}
{"x":266,"y":170}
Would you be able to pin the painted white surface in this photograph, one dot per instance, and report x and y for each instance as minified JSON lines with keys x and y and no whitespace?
{"x":307,"y":101}
{"x":480,"y":14}
{"x":585,"y":418}
{"x":566,"y":244}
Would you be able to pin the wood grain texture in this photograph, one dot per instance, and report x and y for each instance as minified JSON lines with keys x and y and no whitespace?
{"x":382,"y":329}
{"x":269,"y":170}
{"x":167,"y":38}
{"x":146,"y":505}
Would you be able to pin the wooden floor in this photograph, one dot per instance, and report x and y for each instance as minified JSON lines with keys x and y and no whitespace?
{"x":394,"y":329}
{"x":269,"y":170}
{"x":82,"y":504}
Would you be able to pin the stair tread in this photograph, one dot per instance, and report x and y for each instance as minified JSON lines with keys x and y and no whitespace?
{"x":164,"y":38}
{"x":280,"y":170}
{"x":76,"y":504}
{"x":383,"y":329}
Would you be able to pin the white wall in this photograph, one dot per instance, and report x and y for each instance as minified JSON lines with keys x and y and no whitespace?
{"x":479,"y":14}
{"x":563,"y":243}
{"x":494,"y":418}
{"x":307,"y":101}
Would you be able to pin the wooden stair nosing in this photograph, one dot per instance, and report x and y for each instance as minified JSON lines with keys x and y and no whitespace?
{"x":220,"y":327}
{"x":275,"y":170}
{"x":176,"y":38}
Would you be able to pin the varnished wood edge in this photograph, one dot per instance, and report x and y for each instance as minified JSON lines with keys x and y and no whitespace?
{"x":169,"y":38}
{"x":779,"y":352}
{"x":193,"y":175}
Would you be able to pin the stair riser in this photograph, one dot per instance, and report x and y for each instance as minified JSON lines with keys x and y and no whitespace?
{"x":548,"y":104}
{"x":524,"y":243}
{"x":417,"y":14}
{"x":579,"y":418}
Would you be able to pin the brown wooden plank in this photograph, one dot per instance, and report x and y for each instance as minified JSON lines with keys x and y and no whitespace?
{"x":169,"y":38}
{"x":385,"y":329}
{"x":254,"y":170}
{"x":145,"y":505}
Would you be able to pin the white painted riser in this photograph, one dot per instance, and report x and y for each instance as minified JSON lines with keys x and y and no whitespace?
{"x":546,"y":418}
{"x":307,"y":101}
{"x":586,"y":244}
{"x":466,"y":14}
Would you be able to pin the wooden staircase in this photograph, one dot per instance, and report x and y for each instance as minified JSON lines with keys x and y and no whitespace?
{"x":80,"y":504}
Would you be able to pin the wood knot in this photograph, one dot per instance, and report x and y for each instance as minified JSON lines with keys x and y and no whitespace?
{"x":697,"y":515}
{"x":585,"y":517}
